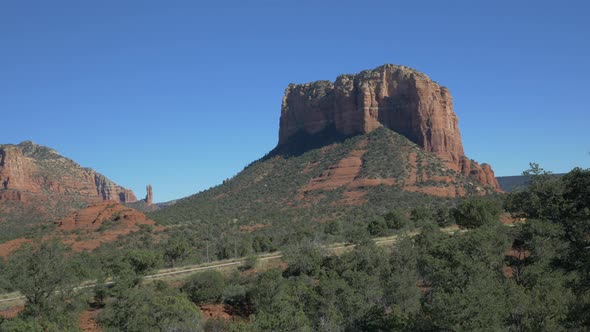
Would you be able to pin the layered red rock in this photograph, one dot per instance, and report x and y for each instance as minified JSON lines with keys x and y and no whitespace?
{"x":88,"y":228}
{"x":100,"y":223}
{"x":396,"y":97}
{"x":31,"y":170}
{"x":347,"y":175}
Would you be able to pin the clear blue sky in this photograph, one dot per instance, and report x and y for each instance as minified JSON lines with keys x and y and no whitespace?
{"x":183,"y":94}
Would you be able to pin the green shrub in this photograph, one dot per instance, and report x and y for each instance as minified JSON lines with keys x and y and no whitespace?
{"x":377,"y":227}
{"x":250,"y":262}
{"x":303,"y":259}
{"x":205,"y":287}
{"x":235,"y":295}
{"x":421,"y":214}
{"x":146,"y":309}
{"x":443,"y":217}
{"x":476,"y":212}
{"x":334,"y":227}
{"x":396,"y":219}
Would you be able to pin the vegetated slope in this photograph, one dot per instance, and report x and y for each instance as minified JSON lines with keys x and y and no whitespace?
{"x":349,"y":149}
{"x":358,"y":177}
{"x":90,"y":227}
{"x":38,"y":185}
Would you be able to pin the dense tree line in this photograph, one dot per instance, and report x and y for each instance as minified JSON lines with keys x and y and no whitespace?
{"x":534,"y":276}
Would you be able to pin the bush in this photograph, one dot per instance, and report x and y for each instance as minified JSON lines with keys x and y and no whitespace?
{"x":205,"y":287}
{"x":443,"y":217}
{"x":250,"y":262}
{"x":40,"y":272}
{"x":235,"y":295}
{"x":542,"y":199}
{"x":420,"y":214}
{"x":18,"y":324}
{"x":357,"y":233}
{"x":146,"y":309}
{"x":476,"y":212}
{"x":396,"y":219}
{"x":142,"y":261}
{"x":303,"y":259}
{"x":334,"y":228}
{"x":377,"y":227}
{"x":5,"y":285}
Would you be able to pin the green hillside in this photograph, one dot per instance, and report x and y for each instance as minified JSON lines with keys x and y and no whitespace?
{"x":269,"y":191}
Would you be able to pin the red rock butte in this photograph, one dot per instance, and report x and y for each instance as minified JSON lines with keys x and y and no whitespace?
{"x":396,"y":97}
{"x":28,"y":170}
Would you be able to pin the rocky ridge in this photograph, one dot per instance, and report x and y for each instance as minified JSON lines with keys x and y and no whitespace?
{"x":29,"y":170}
{"x":39,"y":186}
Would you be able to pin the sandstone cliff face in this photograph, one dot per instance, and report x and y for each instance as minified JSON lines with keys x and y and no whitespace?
{"x":28,"y":170}
{"x":396,"y":97}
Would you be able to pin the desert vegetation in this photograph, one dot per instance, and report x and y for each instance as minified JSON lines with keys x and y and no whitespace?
{"x":531,"y":276}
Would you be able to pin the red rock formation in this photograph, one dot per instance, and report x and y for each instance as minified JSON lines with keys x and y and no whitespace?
{"x":88,"y":228}
{"x":100,"y":223}
{"x":28,"y":170}
{"x":482,"y":173}
{"x":95,"y":215}
{"x":346,"y":175}
{"x":149,"y":198}
{"x":397,"y":97}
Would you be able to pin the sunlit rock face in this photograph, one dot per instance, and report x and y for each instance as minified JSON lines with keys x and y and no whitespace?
{"x":396,"y":97}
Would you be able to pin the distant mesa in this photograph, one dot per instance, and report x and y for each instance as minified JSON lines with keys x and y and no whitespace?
{"x":396,"y":97}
